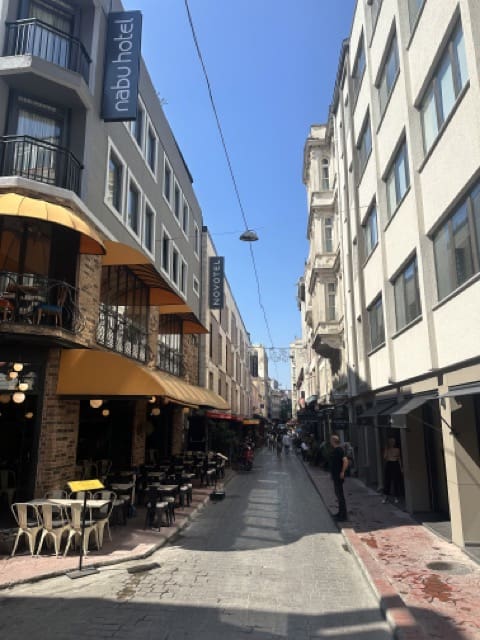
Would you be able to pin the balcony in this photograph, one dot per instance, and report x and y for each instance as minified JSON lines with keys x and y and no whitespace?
{"x":118,"y":332}
{"x":39,"y":160}
{"x":39,"y":302}
{"x":36,"y":38}
{"x":328,"y":338}
{"x":170,"y":360}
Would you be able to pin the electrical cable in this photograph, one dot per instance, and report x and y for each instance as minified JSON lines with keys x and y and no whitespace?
{"x":230,"y":168}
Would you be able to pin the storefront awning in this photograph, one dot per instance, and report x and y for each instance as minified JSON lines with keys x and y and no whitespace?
{"x":119,"y":254}
{"x":411,"y":404}
{"x":190,"y":323}
{"x":467,"y":390}
{"x":380,"y":408}
{"x":92,"y":373}
{"x":15,"y":204}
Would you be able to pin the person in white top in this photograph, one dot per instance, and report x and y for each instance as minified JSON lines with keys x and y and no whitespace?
{"x":287,"y":443}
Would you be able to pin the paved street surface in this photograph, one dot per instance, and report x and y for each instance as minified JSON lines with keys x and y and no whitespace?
{"x":266,"y":563}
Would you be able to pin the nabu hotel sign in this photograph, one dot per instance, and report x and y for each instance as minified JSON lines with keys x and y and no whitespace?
{"x":122,"y":66}
{"x":215,"y":282}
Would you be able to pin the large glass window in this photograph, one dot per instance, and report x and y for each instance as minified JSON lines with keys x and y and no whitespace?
{"x":331,"y":302}
{"x":397,"y":180}
{"x":176,"y":201}
{"x":133,"y":208}
{"x":364,"y":147}
{"x":328,"y":231}
{"x":358,"y":68}
{"x":137,"y":126}
{"x":376,"y":323}
{"x":167,"y":181}
{"x":151,"y":150}
{"x":115,"y":182}
{"x":448,"y":80}
{"x":414,"y":7}
{"x":170,"y":345}
{"x":388,"y":75}
{"x":175,"y":266}
{"x":196,"y":240}
{"x":149,"y":228}
{"x":325,"y":174}
{"x":457,"y":245}
{"x":185,"y":217}
{"x":370,"y":231}
{"x":407,"y":295}
{"x":166,"y":252}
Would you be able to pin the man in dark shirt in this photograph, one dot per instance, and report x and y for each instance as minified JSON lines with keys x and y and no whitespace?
{"x":338,"y":467}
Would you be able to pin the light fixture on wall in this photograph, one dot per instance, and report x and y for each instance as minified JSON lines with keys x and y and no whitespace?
{"x":96,"y":403}
{"x":23,"y":386}
{"x":152,"y":400}
{"x":17,"y":366}
{"x":18,"y":397}
{"x":105,"y":412}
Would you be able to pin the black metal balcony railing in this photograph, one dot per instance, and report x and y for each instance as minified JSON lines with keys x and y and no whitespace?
{"x":28,"y":298}
{"x":170,"y":360}
{"x":36,"y":38}
{"x":39,"y":160}
{"x":117,"y":332}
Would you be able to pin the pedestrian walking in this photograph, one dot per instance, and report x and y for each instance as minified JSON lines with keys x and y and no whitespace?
{"x":287,"y":443}
{"x":392,"y":484}
{"x":338,"y":467}
{"x":279,"y":444}
{"x":305,"y":449}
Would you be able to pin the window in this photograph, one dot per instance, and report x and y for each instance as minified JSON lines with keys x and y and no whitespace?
{"x":196,"y":241}
{"x":364,"y":146}
{"x":376,"y":324}
{"x":407,"y":295}
{"x":115,"y":182}
{"x":176,"y":201}
{"x":185,"y":217}
{"x":331,"y":301}
{"x":167,"y":181}
{"x":325,"y":174}
{"x":397,"y":180}
{"x":370,"y":232}
{"x":449,"y":79}
{"x":388,"y":74}
{"x":375,"y":6}
{"x":136,"y":126}
{"x":166,"y":252}
{"x":211,"y":341}
{"x":328,"y":231}
{"x":414,"y":7}
{"x":210,"y":380}
{"x":219,"y":387}
{"x":175,"y":266}
{"x":456,"y":245}
{"x":149,"y":228}
{"x":358,"y":68}
{"x":196,"y":286}
{"x":220,"y":350}
{"x":151,"y":150}
{"x":183,"y":277}
{"x":133,"y":208}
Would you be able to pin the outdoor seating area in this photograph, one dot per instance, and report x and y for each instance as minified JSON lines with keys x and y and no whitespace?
{"x":151,"y":495}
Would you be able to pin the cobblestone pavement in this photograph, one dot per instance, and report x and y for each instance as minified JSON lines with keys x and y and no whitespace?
{"x":409,"y":565}
{"x":266,"y":563}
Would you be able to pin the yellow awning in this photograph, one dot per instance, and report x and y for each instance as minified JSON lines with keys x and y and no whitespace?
{"x":94,"y":373}
{"x":15,"y":204}
{"x":190,"y":323}
{"x":119,"y":254}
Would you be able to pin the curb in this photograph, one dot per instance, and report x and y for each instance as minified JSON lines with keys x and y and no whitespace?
{"x":396,"y":612}
{"x":139,"y":556}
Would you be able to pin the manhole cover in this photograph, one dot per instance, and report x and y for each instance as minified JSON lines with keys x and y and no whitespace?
{"x":448,"y":567}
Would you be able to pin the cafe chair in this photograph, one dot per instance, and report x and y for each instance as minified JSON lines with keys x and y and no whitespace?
{"x":44,"y":309}
{"x":55,"y":493}
{"x":55,"y":525}
{"x":80,"y":495}
{"x":155,"y":507}
{"x":102,"y":515}
{"x":75,"y":521}
{"x":29,"y":524}
{"x":7,"y":308}
{"x":8,"y":484}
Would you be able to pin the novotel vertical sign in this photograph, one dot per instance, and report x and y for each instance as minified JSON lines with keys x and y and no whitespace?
{"x":122,"y":66}
{"x":216,"y":278}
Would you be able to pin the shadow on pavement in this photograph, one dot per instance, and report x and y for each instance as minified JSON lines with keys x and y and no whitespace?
{"x":119,"y":618}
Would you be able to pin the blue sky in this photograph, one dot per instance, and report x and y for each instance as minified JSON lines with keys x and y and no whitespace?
{"x":272,"y":67}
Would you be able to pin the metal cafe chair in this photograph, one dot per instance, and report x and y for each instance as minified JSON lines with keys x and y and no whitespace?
{"x":102,"y":515}
{"x":29,"y":521}
{"x":55,"y":525}
{"x":74,"y":515}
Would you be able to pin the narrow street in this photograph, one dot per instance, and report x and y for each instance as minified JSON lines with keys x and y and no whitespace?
{"x":267,"y":563}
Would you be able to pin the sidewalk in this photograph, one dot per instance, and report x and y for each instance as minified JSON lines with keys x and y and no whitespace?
{"x":427,"y":587}
{"x":129,"y":542}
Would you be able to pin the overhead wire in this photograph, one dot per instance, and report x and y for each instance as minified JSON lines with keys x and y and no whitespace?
{"x":230,"y":168}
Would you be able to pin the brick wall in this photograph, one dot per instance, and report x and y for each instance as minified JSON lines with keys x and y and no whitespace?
{"x":58,"y":433}
{"x":191,"y":357}
{"x":89,"y":280}
{"x":138,"y":433}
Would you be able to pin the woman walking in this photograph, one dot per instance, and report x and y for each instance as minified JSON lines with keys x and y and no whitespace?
{"x":392,"y":485}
